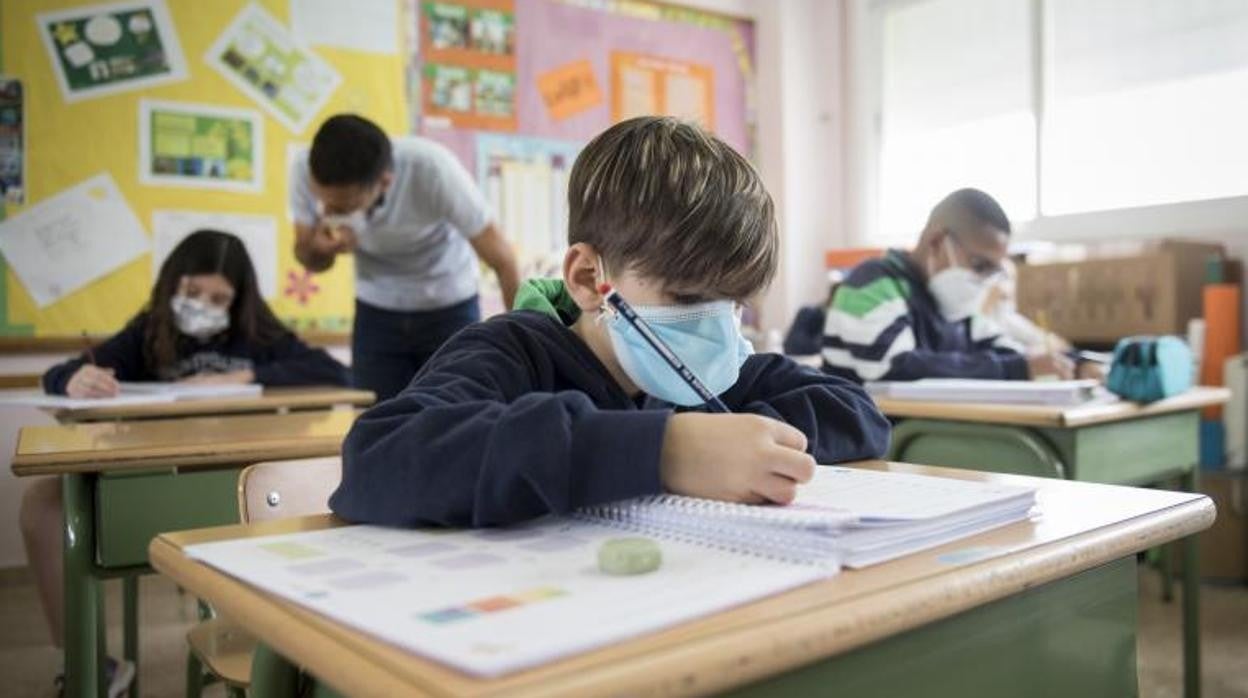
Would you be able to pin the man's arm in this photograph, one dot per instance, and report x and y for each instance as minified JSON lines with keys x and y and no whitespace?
{"x":495,"y":251}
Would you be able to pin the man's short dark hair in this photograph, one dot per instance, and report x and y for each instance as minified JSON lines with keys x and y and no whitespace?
{"x":675,"y":204}
{"x":972,"y":205}
{"x":349,"y":150}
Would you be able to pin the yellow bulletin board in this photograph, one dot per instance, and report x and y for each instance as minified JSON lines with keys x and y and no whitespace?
{"x":68,"y":142}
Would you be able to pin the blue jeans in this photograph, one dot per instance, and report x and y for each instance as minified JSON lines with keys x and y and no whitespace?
{"x":388,"y":347}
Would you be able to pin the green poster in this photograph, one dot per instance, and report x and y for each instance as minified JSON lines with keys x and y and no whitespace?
{"x":260,"y":57}
{"x":194,"y":145}
{"x":104,"y":49}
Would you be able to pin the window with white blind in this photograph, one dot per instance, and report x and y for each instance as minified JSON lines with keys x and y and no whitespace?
{"x":1126,"y":103}
{"x":1146,"y":103}
{"x":957,"y":109}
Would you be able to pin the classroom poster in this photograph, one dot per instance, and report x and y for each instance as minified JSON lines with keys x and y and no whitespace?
{"x":260,"y":57}
{"x":374,"y":24}
{"x":71,"y":239}
{"x":258,"y":234}
{"x":104,"y":49}
{"x":642,"y":85}
{"x":200,"y":146}
{"x":12,"y":143}
{"x":525,"y":181}
{"x":469,"y":76}
{"x":569,"y":89}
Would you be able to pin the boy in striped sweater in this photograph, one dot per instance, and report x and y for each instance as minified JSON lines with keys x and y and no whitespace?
{"x":914,"y":314}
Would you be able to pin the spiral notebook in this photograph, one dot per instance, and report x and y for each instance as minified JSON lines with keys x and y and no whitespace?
{"x":492,"y":601}
{"x":844,"y":516}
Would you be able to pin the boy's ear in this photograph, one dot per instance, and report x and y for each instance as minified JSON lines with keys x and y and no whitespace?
{"x":581,"y":276}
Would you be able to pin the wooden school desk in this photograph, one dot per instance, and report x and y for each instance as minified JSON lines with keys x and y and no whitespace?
{"x":275,"y":400}
{"x":1120,"y":443}
{"x":1037,"y":608}
{"x":124,"y":482}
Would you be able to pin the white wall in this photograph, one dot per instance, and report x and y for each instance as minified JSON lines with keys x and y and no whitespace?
{"x":11,"y":487}
{"x":800,"y":126}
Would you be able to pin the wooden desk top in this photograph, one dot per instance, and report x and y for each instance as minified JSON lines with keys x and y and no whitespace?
{"x":1082,"y":526}
{"x":271,"y":400}
{"x":190,"y":441}
{"x":1060,"y":417}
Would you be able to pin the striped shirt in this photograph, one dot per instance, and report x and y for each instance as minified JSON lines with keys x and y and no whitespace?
{"x":883,"y":324}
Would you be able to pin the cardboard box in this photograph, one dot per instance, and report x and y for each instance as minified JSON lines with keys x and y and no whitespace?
{"x":1154,"y":289}
{"x":1223,"y":546}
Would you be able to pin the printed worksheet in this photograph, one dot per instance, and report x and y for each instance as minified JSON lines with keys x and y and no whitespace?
{"x":493,"y":601}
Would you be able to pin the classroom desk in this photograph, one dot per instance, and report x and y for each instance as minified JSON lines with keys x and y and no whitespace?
{"x":1038,"y":608}
{"x":277,"y":400}
{"x":124,"y":482}
{"x":1120,"y":443}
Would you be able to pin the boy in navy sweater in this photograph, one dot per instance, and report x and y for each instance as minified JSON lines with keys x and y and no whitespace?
{"x":915,"y":314}
{"x":558,"y":405}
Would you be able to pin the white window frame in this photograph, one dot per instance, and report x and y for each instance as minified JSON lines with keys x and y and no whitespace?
{"x":864,"y":138}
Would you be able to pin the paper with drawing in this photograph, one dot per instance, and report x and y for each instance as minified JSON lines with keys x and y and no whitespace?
{"x":73,"y":238}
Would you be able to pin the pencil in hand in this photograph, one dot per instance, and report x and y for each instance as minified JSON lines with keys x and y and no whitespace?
{"x":90,"y":350}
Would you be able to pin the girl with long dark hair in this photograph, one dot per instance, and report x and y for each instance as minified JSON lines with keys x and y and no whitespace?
{"x":205,"y":322}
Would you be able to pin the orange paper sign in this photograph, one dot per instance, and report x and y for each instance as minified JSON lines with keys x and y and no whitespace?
{"x":570,"y":89}
{"x":643,"y":85}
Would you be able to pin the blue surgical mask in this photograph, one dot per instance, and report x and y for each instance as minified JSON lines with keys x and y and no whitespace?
{"x":706,"y":337}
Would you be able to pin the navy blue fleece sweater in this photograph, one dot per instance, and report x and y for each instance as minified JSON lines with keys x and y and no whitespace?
{"x":516,"y":417}
{"x":285,"y":362}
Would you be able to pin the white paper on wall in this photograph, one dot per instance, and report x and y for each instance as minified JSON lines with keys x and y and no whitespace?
{"x":65,"y":242}
{"x":361,"y":25}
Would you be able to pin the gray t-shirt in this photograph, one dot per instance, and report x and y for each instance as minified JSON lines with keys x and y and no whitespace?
{"x":414,"y":254}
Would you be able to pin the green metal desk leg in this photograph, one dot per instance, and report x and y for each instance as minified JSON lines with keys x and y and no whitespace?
{"x":320,"y":690}
{"x":194,"y":676}
{"x":271,"y":675}
{"x":84,"y":672}
{"x":130,"y":626}
{"x":1165,"y":566}
{"x":1191,"y":600}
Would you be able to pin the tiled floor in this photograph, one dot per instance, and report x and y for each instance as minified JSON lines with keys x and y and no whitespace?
{"x":28,"y":662}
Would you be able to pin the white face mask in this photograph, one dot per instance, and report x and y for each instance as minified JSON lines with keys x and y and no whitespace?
{"x":357,"y":220}
{"x":198,"y":319}
{"x":959,"y":292}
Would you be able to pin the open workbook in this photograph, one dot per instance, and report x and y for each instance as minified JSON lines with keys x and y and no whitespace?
{"x":492,"y":601}
{"x":135,"y":394}
{"x":1051,"y":393}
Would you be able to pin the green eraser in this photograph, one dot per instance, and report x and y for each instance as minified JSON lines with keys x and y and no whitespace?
{"x":624,"y":556}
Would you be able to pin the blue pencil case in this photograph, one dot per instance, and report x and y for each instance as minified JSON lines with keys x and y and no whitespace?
{"x":1147,"y":369}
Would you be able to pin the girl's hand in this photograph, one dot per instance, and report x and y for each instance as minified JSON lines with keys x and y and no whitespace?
{"x":92,"y":381}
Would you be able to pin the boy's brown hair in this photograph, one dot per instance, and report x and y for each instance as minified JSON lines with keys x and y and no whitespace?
{"x":675,"y":204}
